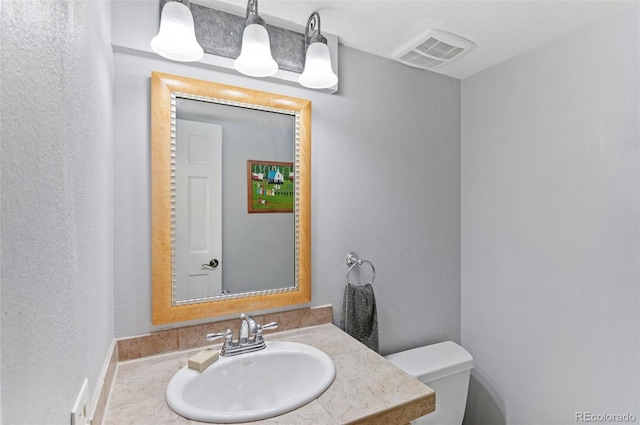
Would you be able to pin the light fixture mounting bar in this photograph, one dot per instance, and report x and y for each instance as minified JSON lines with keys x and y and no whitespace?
{"x":220,"y":34}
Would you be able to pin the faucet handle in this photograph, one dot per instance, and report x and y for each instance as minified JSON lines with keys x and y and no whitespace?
{"x":260,"y":328}
{"x":228,"y":336}
{"x":270,"y":325}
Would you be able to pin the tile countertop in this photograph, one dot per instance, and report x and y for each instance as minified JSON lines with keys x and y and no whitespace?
{"x":357,"y":396}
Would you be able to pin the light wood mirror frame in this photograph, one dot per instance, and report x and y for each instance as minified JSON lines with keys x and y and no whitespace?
{"x":164,"y":88}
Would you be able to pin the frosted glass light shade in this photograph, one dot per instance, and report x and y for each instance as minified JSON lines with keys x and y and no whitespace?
{"x":176,"y":39}
{"x":317,"y":72}
{"x":255,"y":57}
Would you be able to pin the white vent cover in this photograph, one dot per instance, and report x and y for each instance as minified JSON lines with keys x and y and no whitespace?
{"x":432,"y":49}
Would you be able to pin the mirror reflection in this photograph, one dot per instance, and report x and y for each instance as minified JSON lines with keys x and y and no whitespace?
{"x":234,"y":200}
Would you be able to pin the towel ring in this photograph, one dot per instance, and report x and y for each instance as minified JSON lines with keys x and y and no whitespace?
{"x":353,"y":261}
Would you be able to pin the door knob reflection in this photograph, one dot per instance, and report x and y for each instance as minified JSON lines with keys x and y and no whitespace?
{"x":212,"y":264}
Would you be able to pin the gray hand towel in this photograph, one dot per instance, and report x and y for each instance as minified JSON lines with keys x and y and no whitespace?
{"x":359,"y":315}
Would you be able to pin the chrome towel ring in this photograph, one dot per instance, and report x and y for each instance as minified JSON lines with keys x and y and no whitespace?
{"x":353,"y":260}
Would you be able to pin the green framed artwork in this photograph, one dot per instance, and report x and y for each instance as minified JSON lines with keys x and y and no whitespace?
{"x":270,"y":186}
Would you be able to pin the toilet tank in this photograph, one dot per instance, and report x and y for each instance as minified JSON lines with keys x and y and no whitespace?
{"x":445,"y":367}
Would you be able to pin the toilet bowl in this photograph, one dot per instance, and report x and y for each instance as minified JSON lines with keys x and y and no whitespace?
{"x":445,"y":367}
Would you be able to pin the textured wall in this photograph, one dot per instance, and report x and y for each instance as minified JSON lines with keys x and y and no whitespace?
{"x":550,"y":231}
{"x":386,"y":181}
{"x":57,"y":303}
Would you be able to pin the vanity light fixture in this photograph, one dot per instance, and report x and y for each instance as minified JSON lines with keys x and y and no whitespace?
{"x":188,"y":30}
{"x":255,"y":57}
{"x":318,"y":73}
{"x":176,"y":39}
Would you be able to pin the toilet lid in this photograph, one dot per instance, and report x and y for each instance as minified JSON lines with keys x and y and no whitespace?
{"x":433,"y":361}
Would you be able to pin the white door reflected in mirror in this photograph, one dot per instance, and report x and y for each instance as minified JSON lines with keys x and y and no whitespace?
{"x":198,"y":209}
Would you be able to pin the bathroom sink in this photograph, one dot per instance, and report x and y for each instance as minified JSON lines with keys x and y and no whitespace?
{"x":252,"y":386}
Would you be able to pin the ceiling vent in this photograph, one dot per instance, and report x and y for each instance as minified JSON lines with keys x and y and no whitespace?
{"x":432,"y":49}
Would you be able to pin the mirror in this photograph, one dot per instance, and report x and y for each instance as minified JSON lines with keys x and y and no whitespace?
{"x":230,"y":192}
{"x":234,"y":215}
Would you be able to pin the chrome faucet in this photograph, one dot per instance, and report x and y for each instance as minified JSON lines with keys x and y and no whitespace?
{"x":249,"y":337}
{"x":247,"y":328}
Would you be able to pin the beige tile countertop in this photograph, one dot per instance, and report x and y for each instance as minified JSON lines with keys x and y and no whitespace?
{"x":367,"y":389}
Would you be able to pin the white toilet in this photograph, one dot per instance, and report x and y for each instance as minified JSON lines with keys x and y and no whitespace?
{"x":445,"y":367}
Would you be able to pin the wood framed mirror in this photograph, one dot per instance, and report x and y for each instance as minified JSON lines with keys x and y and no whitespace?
{"x":175,"y":98}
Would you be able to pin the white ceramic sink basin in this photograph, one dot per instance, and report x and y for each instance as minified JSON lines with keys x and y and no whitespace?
{"x":252,"y":386}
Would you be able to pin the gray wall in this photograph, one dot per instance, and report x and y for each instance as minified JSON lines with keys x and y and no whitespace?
{"x":550,"y":232}
{"x":386,"y":184}
{"x":258,"y":249}
{"x":57,"y":233}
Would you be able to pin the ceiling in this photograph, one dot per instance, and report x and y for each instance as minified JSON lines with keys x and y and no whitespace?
{"x":500,"y":29}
